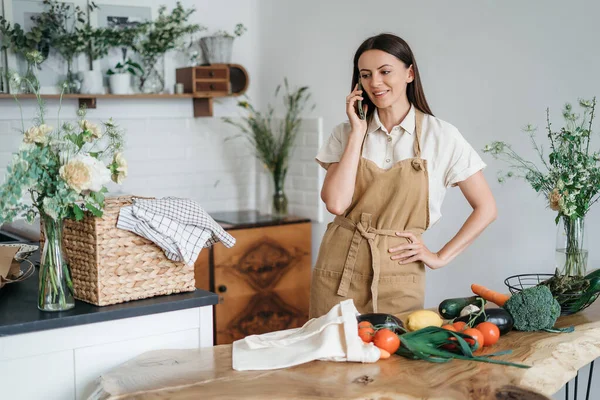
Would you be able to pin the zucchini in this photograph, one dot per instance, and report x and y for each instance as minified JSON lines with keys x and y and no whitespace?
{"x":497,"y":316}
{"x":450,"y":308}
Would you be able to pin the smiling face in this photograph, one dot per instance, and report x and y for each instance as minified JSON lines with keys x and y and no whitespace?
{"x":384,"y":77}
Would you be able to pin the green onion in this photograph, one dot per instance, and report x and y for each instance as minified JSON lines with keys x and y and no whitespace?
{"x":426,"y":344}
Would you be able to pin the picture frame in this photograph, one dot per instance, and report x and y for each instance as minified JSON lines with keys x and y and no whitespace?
{"x":114,"y":14}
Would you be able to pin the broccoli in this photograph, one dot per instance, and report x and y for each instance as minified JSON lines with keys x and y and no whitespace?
{"x":533,"y":308}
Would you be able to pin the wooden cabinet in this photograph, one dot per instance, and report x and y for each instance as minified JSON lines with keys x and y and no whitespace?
{"x":263,"y":282}
{"x":215,"y":80}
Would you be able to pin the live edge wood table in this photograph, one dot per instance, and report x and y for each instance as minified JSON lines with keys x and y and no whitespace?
{"x":555,"y":359}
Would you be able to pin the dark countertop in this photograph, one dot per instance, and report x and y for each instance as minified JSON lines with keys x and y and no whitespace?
{"x":252,"y":219}
{"x":19,"y":312}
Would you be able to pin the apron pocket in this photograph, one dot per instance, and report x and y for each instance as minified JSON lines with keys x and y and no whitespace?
{"x":401,"y":293}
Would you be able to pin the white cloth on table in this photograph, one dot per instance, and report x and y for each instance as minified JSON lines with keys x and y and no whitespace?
{"x":331,"y":337}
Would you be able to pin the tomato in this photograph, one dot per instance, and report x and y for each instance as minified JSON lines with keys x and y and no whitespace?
{"x":475,"y":334}
{"x":387,"y":340}
{"x":459,"y":325}
{"x":365,"y":324}
{"x":366,"y":334}
{"x":490,"y":332}
{"x":450,"y":346}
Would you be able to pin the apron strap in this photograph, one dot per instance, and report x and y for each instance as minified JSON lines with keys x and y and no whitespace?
{"x":418,"y":126}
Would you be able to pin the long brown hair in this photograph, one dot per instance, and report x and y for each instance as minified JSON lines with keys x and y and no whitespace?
{"x":397,"y":47}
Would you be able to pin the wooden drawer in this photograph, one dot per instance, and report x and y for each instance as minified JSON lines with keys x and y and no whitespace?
{"x":212,"y":73}
{"x":263,"y":282}
{"x":212,"y":86}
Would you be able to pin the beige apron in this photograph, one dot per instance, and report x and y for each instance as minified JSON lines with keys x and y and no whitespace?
{"x":354,"y":261}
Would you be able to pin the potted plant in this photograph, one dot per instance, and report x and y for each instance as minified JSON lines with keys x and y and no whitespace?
{"x":569,"y":179}
{"x":217,"y":48}
{"x":273,"y":141}
{"x":157,"y":37}
{"x":63,"y":171}
{"x":98,"y":45}
{"x":120,"y":78}
{"x":31,"y":46}
{"x":67,"y":37}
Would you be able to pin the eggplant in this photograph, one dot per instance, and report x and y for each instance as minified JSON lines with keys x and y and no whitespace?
{"x":385,"y":320}
{"x":497,"y":316}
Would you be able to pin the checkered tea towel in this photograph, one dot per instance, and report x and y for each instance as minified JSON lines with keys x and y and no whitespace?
{"x":179,"y":226}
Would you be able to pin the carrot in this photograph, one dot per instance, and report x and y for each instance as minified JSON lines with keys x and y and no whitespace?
{"x":489,"y":294}
{"x":383,"y":354}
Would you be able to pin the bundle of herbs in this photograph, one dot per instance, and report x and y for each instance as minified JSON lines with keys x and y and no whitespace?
{"x":561,"y":284}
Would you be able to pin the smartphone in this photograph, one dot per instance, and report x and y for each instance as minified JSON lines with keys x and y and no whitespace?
{"x":361,"y":112}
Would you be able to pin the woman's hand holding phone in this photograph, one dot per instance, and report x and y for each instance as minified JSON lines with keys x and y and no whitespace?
{"x":358,"y":124}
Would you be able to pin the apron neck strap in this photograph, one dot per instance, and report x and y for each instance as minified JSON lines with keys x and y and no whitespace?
{"x":418,"y":125}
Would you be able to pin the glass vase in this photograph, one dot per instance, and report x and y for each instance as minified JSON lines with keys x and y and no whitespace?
{"x":152,"y":79}
{"x":29,"y":82}
{"x":571,"y":246}
{"x":280,"y":202}
{"x":55,"y":291}
{"x":72,"y":85}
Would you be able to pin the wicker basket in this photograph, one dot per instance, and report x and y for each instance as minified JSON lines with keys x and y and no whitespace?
{"x":111,"y":265}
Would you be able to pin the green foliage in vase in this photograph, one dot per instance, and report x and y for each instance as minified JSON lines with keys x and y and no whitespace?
{"x":272,"y":142}
{"x":62,"y":170}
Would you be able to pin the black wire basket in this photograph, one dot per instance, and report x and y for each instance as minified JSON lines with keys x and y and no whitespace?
{"x":570,"y":303}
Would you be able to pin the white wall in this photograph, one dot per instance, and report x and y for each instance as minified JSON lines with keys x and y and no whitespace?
{"x":489,"y":68}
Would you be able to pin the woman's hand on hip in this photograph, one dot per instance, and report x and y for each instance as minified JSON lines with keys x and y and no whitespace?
{"x":415,"y":250}
{"x":357,"y":124}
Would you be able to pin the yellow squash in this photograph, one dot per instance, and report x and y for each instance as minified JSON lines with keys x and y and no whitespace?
{"x":422,"y":319}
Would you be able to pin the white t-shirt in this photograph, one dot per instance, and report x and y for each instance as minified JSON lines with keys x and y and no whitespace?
{"x":450,"y":158}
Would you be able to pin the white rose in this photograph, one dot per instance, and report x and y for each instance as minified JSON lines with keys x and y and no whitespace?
{"x":100,"y":175}
{"x":120,"y":172}
{"x":94,"y":129}
{"x":84,"y":172}
{"x":76,"y":174}
{"x":46,"y":129}
{"x":35,"y":135}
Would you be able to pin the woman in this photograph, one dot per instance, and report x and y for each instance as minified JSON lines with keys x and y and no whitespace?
{"x":386,"y":179}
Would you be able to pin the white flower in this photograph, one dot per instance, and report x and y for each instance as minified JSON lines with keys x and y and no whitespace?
{"x":36,"y":134}
{"x":46,"y":128}
{"x":84,"y":172}
{"x":120,"y":168}
{"x":94,"y":129}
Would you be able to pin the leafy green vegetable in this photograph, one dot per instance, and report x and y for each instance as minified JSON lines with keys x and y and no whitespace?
{"x":533,"y":309}
{"x":428,"y":344}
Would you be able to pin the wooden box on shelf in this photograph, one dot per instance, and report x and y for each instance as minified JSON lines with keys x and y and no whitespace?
{"x":207,"y":82}
{"x":263,"y":282}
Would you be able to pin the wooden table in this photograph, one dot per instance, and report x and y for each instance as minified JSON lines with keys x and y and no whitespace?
{"x":555,"y":359}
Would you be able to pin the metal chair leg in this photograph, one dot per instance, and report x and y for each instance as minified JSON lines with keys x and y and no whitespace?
{"x":589,"y":385}
{"x":567,"y":392}
{"x":576,"y":384}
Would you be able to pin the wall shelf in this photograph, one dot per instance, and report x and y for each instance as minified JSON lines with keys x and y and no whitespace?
{"x":89,"y":100}
{"x":201,"y":84}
